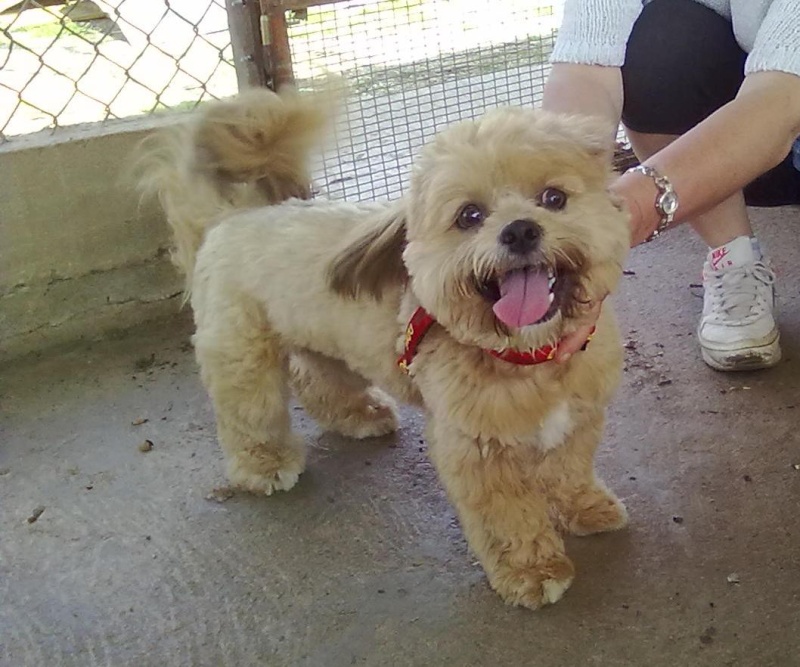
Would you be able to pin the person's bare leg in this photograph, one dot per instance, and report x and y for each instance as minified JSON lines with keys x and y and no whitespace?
{"x":737,"y":330}
{"x":722,"y":223}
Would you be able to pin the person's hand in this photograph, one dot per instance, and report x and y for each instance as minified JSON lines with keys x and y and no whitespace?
{"x":637,"y":193}
{"x":577,"y":339}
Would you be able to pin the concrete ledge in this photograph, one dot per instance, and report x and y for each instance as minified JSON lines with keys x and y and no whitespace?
{"x":79,"y":255}
{"x":38,"y":316}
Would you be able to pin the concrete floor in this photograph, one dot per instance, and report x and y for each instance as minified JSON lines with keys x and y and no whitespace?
{"x":363,"y":562}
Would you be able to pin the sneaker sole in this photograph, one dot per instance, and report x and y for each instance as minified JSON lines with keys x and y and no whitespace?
{"x":746,"y":359}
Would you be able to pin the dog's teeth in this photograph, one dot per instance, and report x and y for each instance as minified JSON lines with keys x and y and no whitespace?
{"x":551,"y":280}
{"x":551,"y":297}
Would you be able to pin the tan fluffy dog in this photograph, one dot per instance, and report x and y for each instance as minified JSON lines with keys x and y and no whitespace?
{"x":506,"y":234}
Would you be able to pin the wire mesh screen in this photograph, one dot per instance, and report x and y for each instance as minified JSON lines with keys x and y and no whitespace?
{"x":79,"y":61}
{"x":413,"y":66}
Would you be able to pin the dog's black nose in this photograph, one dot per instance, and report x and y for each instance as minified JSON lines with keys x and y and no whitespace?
{"x":521,"y":236}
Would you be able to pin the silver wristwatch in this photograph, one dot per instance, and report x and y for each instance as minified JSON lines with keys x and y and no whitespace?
{"x":666,"y":202}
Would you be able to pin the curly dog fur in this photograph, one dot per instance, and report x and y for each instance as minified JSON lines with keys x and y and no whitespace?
{"x":313,"y":296}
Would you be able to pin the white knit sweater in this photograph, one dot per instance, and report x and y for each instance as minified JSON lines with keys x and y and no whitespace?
{"x":596,"y":31}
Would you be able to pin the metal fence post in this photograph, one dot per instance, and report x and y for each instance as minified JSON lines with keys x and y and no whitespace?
{"x":244,"y":22}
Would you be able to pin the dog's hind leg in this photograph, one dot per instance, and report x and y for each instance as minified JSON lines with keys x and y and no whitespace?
{"x":245,"y":369}
{"x":339,"y":399}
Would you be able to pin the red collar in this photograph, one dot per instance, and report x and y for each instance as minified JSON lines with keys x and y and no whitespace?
{"x":421,"y":321}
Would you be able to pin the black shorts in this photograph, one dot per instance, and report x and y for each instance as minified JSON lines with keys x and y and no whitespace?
{"x":683,"y":63}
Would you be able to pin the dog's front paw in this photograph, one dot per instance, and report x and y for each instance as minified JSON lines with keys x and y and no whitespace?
{"x":267,"y":468}
{"x":596,"y":511}
{"x":536,"y":585}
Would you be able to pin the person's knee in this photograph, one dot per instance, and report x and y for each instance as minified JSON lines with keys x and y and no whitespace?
{"x":682,"y":63}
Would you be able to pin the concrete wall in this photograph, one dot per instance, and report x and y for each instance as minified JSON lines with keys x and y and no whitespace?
{"x":79,"y":256}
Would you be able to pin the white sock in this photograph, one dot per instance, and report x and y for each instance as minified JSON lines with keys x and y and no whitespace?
{"x":756,"y":248}
{"x":740,"y":251}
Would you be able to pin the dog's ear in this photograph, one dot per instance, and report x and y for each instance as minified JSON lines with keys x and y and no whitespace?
{"x":371,"y":262}
{"x":587,"y":132}
{"x":590,"y":133}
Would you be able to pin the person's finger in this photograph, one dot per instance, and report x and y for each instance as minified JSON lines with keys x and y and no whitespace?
{"x":577,"y":339}
{"x":572,"y":343}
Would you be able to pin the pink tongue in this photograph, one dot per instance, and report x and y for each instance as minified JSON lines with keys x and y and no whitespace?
{"x":524,"y":298}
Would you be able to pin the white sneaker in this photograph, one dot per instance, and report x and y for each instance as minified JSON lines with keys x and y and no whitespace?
{"x":738,"y":331}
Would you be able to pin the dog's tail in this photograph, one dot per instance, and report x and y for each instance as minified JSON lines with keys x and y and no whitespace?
{"x":250,"y":150}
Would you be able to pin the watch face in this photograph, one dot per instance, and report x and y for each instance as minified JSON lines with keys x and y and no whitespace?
{"x":668,"y":202}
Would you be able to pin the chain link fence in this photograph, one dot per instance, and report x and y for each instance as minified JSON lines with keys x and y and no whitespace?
{"x":410,"y":66}
{"x":72,"y":62}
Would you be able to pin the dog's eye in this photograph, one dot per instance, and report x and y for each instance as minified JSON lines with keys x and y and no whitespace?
{"x":470,"y":216}
{"x":553,"y":199}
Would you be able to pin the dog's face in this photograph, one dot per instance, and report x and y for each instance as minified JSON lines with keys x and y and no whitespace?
{"x":511,"y":232}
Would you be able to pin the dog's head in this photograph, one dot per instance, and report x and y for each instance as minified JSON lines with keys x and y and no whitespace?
{"x":511,"y":232}
{"x":508,"y":233}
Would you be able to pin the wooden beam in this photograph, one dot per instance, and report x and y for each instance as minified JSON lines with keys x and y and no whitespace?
{"x":275,"y":33}
{"x":244,"y":23}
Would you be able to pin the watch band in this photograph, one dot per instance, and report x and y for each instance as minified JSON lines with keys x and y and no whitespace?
{"x":666,"y":202}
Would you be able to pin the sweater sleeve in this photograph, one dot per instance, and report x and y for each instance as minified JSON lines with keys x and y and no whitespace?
{"x":595,"y":32}
{"x":777,"y":44}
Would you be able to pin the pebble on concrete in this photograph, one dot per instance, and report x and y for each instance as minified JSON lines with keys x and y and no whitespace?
{"x":37,"y":512}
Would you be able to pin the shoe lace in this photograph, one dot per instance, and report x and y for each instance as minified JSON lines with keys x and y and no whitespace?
{"x":742,"y":294}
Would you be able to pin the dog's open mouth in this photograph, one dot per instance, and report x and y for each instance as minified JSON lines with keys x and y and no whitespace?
{"x":524,"y":296}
